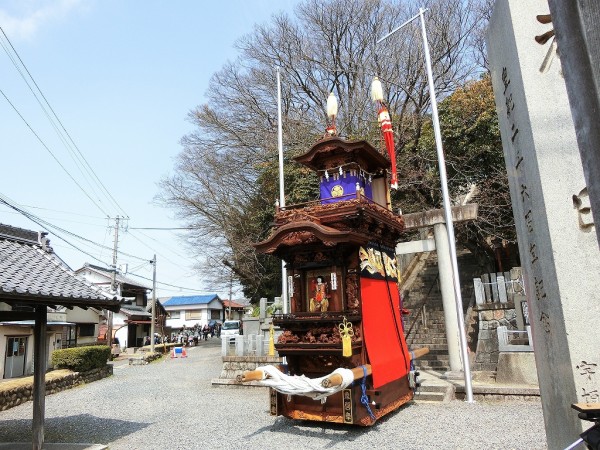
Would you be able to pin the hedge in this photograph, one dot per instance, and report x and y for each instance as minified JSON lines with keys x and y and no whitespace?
{"x":81,"y":359}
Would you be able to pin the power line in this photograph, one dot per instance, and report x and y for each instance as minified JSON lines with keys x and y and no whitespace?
{"x":52,"y":154}
{"x":77,"y":155}
{"x":56,"y":230}
{"x":164,"y":228}
{"x":166,"y":284}
{"x":150,"y":248}
{"x":44,"y":223}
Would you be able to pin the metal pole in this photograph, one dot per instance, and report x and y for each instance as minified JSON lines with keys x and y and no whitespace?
{"x":447,"y":215}
{"x":153,"y":303}
{"x":284,"y":286}
{"x":446,"y":198}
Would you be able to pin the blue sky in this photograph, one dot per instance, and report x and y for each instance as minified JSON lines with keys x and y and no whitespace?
{"x":121,"y":76}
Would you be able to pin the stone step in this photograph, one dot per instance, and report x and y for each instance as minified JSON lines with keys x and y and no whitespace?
{"x":425,"y":396}
{"x":427,"y":333}
{"x":427,"y":340}
{"x":440,"y":358}
{"x":431,"y":347}
{"x":425,"y":364}
{"x":434,"y":393}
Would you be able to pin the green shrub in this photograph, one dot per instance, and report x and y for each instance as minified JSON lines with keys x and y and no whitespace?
{"x":81,"y":359}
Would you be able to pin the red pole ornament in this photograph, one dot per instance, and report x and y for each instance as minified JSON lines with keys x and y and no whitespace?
{"x":385,"y":122}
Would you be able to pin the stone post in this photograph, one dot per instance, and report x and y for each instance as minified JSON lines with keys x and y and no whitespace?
{"x":448,"y":299}
{"x":559,"y":253}
{"x":263,"y":309}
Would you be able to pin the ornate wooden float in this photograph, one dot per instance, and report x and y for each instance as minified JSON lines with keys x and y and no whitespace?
{"x":343,"y":334}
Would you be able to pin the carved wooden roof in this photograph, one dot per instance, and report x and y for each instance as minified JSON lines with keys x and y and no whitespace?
{"x":335,"y":151}
{"x":354,"y":222}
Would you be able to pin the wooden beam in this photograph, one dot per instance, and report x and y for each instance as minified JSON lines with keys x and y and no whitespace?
{"x":39,"y":376}
{"x":11,"y":316}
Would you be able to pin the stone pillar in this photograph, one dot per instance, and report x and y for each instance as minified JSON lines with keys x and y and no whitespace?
{"x":448,"y":298}
{"x":559,"y":252}
{"x":263,"y":308}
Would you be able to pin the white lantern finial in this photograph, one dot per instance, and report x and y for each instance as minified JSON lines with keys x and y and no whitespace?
{"x":376,"y":90}
{"x":332,"y":106}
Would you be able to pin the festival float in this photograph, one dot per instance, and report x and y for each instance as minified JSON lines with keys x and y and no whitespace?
{"x":346,"y":357}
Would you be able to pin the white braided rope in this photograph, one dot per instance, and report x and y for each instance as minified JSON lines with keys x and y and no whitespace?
{"x":302,"y":385}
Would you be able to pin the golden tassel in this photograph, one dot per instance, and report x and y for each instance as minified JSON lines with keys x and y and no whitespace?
{"x":346,"y":332}
{"x":346,"y":347}
{"x":271,"y":340}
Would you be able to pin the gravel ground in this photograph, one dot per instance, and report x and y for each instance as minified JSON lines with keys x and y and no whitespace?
{"x":170,"y":404}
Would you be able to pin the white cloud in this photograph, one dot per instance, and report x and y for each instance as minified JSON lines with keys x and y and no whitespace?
{"x":21,"y":19}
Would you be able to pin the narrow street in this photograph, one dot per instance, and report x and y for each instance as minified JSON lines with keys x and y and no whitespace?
{"x":170,"y":404}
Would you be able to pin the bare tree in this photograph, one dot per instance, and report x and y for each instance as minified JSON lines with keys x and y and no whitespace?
{"x":225,"y":182}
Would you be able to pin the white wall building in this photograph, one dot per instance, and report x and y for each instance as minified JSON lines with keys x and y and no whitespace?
{"x":193,"y":310}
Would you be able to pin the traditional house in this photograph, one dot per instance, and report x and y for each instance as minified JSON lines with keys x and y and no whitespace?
{"x":190,"y":311}
{"x":32,"y":280}
{"x":233,"y":310}
{"x":21,"y":253}
{"x":132,"y":324}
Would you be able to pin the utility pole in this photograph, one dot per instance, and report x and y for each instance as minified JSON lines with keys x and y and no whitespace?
{"x":230,"y":292}
{"x":113,"y":283}
{"x":153,"y":303}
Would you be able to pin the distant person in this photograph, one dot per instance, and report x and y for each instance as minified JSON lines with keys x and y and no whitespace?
{"x":205,"y":331}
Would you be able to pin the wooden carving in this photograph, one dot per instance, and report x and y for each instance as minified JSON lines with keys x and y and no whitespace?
{"x":352,"y":298}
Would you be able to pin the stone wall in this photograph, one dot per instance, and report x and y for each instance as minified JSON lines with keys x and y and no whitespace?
{"x":491,"y":316}
{"x":15,"y":392}
{"x":236,"y":365}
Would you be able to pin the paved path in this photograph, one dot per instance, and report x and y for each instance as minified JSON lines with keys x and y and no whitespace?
{"x":170,"y":404}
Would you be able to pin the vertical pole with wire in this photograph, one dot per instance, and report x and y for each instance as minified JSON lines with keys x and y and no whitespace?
{"x":113,"y":283}
{"x":284,"y":284}
{"x":153,"y":303}
{"x":446,"y":201}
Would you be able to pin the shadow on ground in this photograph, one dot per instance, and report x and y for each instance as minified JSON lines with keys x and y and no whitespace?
{"x":335,"y":432}
{"x":70,"y":429}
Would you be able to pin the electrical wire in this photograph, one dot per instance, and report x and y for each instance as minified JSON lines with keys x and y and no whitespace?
{"x":165,"y":284}
{"x":52,"y":154}
{"x":77,"y":155}
{"x":46,"y":224}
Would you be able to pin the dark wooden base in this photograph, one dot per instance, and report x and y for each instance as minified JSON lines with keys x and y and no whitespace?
{"x":345,"y":406}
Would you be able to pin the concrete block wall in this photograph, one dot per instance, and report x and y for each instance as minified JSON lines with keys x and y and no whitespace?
{"x":491,"y":316}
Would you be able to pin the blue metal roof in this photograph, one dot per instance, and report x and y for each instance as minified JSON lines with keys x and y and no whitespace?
{"x":191,"y":300}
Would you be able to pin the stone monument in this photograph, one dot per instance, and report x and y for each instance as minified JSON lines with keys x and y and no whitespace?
{"x":557,"y":241}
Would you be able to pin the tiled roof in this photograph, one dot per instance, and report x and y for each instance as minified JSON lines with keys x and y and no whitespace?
{"x":233,"y":304}
{"x":19,"y":233}
{"x":134,"y":310}
{"x":190,"y":300}
{"x":121,"y":279}
{"x":29,"y":274}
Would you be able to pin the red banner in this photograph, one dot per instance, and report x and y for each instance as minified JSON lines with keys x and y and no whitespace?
{"x":382,"y":328}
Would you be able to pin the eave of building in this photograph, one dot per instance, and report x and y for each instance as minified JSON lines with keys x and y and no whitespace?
{"x":320,"y":155}
{"x":305,"y":232}
{"x":70,"y":303}
{"x":332,"y":213}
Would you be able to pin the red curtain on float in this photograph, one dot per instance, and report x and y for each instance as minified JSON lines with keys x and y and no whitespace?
{"x":382,"y":324}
